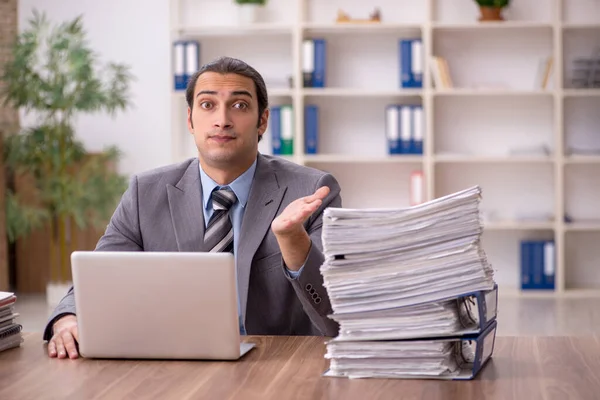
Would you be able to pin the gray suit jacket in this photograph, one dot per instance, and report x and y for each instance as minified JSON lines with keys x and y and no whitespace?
{"x":162,"y":211}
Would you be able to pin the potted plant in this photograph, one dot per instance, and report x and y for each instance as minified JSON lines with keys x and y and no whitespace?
{"x":56,"y":76}
{"x":249,"y":10}
{"x":491,"y":10}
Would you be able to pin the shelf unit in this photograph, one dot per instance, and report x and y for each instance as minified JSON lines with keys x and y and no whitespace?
{"x":470,"y":129}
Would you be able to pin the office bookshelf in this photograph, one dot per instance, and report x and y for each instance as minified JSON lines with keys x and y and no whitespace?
{"x":470,"y":129}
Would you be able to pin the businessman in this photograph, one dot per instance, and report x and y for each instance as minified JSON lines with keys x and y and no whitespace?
{"x":267,"y":211}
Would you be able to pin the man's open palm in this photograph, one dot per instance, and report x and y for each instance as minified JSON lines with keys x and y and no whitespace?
{"x":294,"y":215}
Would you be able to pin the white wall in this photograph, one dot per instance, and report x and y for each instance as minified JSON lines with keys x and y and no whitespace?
{"x":136,"y":33}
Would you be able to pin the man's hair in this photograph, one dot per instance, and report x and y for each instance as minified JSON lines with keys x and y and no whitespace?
{"x":229,"y":65}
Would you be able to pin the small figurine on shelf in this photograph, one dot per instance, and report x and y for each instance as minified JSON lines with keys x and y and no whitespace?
{"x":491,"y":10}
{"x":344,"y":17}
{"x":249,"y":10}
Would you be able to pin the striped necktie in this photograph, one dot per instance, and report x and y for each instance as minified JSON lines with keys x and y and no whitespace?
{"x":218,"y":236}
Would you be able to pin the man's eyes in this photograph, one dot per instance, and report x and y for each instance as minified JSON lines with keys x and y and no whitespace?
{"x":208,"y":105}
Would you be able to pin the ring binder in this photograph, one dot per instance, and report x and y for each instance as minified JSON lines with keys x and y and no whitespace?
{"x":467,"y":314}
{"x":449,"y":358}
{"x":411,"y":289}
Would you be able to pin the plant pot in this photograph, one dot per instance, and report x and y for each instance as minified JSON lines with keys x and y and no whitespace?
{"x":491,"y":14}
{"x":248,"y":13}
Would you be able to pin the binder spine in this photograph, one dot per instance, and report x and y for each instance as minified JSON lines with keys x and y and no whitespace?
{"x":192,"y":59}
{"x":287,"y":130}
{"x":405,"y":64}
{"x":538,"y":263}
{"x":417,"y":130}
{"x":405,"y":129}
{"x":276,"y":129}
{"x":478,"y":308}
{"x":179,"y":65}
{"x":549,"y":266}
{"x":485,"y":348}
{"x":320,"y":59}
{"x":392,"y":128}
{"x":525,"y":265}
{"x":416,"y":59}
{"x":308,"y":62}
{"x":489,"y":310}
{"x":311,"y":129}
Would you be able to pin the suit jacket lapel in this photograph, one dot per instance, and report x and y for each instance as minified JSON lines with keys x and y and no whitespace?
{"x":185,"y":204}
{"x":263,"y":202}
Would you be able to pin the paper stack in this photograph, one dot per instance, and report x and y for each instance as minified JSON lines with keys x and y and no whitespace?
{"x":10,"y":330}
{"x":411,"y":289}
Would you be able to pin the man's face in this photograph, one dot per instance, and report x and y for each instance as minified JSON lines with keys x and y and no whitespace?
{"x":224,"y":119}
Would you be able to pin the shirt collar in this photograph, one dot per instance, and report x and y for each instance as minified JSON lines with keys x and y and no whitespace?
{"x":240,"y":186}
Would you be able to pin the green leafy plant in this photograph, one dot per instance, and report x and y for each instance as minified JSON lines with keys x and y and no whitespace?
{"x":54,"y":75}
{"x":259,"y":2}
{"x":493,"y":3}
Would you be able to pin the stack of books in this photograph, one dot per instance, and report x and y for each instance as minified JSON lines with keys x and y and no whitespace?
{"x":10,"y":329}
{"x":411,"y":288}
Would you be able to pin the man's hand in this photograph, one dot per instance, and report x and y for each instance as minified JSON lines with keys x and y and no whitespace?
{"x":62,"y":342}
{"x":290,"y":221}
{"x":293,"y":239}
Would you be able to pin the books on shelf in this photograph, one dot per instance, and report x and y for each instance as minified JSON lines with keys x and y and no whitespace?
{"x":411,"y":63}
{"x":314,"y":63}
{"x":544,"y":73}
{"x":440,"y":72}
{"x":586,"y":71}
{"x":405,"y":128}
{"x":282,"y":129}
{"x":314,"y":60}
{"x":10,"y":329}
{"x":411,"y":288}
{"x":538,"y":264}
{"x":186,"y":61}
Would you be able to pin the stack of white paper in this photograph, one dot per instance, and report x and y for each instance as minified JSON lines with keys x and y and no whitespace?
{"x":386,"y":359}
{"x":433,"y":319}
{"x":398,"y":275}
{"x":10,"y":329}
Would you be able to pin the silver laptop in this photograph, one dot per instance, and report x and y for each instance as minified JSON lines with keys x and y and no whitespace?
{"x":149,"y":305}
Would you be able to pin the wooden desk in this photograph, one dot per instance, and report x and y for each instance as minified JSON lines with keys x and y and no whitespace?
{"x":291,"y":367}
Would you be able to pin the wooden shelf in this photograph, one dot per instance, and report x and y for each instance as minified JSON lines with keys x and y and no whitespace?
{"x":352,"y":159}
{"x":492,"y":25}
{"x":582,"y":227}
{"x":582,"y":159}
{"x":356,"y":92}
{"x":495,"y":107}
{"x":576,"y":26}
{"x":233,"y":30}
{"x":490,"y":92}
{"x":517,"y":225}
{"x":491,"y":159}
{"x":582,"y":93}
{"x":362,"y":28}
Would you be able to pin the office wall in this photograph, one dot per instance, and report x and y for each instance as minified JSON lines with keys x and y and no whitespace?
{"x":136,"y":33}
